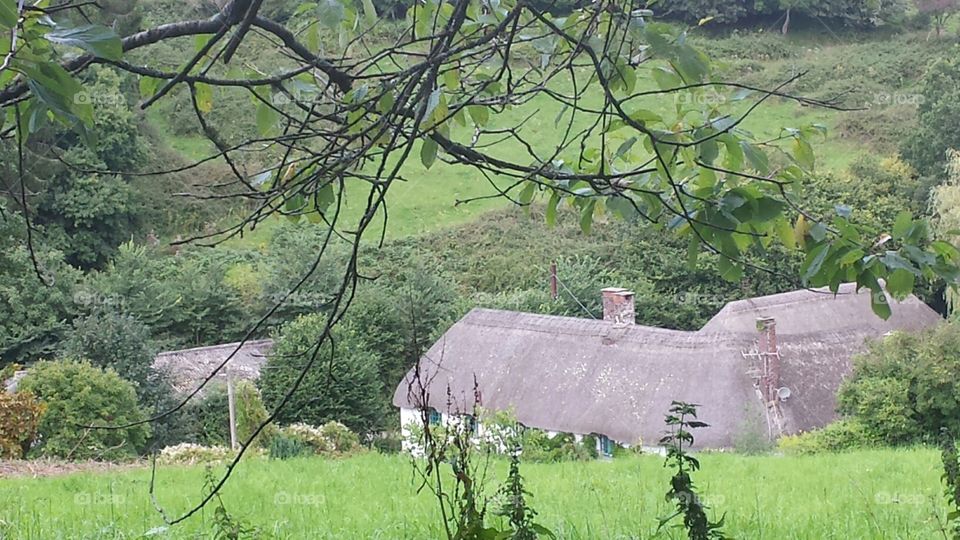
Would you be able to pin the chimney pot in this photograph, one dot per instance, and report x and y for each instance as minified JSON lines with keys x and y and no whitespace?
{"x":618,"y":306}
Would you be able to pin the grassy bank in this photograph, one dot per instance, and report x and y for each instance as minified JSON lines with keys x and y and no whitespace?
{"x":869,"y":494}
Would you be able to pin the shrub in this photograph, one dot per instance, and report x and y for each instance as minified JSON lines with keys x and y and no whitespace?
{"x":345,"y":388}
{"x":906,"y":387}
{"x":206,"y":421}
{"x":330,"y":439}
{"x":20,"y":415}
{"x":838,"y":436}
{"x":250,"y":414}
{"x":388,"y":443}
{"x":77,"y":394}
{"x":191,"y":454}
{"x":284,"y":446}
{"x":539,"y":447}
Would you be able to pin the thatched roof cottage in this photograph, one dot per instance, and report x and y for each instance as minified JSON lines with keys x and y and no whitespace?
{"x":187,"y":368}
{"x":775,"y":360}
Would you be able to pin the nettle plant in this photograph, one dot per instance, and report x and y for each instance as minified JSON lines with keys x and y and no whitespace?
{"x":644,"y":130}
{"x":681,"y":420}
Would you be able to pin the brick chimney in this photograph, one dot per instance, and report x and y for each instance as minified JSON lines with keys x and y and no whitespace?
{"x":618,"y":306}
{"x":770,"y":357}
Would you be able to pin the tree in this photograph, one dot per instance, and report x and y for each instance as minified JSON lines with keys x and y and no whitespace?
{"x":36,"y":313}
{"x":77,"y":396}
{"x":402,"y":315}
{"x":938,"y":10}
{"x":926,"y":147}
{"x":341,"y":386}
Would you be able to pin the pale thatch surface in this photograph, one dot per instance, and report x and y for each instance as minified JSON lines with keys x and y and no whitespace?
{"x":587,"y":376}
{"x":189,"y":367}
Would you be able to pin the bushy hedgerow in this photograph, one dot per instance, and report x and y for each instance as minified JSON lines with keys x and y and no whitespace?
{"x":838,"y":436}
{"x":77,"y":394}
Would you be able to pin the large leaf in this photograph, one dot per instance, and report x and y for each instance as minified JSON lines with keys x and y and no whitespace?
{"x":8,"y":14}
{"x":369,"y":11}
{"x":97,"y":40}
{"x":428,"y":152}
{"x":58,"y":90}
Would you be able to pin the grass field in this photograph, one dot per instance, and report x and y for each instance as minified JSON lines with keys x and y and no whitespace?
{"x":893,"y":494}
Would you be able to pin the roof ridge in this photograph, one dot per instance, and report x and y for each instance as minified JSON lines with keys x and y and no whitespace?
{"x":217,"y":347}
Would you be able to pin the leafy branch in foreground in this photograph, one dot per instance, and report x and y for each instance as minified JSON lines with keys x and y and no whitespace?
{"x":682,"y":419}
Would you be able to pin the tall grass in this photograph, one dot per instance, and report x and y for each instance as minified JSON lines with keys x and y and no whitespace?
{"x":868,"y":494}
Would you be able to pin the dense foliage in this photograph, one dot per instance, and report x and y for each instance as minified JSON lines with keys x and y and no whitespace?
{"x":907,"y":387}
{"x":926,"y":147}
{"x":76,"y":394}
{"x":341,"y":385}
{"x":20,"y":414}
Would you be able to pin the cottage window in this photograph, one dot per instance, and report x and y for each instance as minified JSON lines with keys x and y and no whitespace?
{"x":606,"y":446}
{"x":435,"y":417}
{"x":471,"y":423}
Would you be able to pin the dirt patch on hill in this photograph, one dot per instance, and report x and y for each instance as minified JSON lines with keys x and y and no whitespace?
{"x":44,"y":467}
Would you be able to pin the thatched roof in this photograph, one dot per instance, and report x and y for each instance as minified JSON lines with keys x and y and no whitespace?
{"x":589,"y":376}
{"x":189,"y":367}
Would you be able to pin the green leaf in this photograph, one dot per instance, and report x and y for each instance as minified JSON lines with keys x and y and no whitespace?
{"x":729,"y":269}
{"x":666,"y":78}
{"x":331,"y":13}
{"x":900,"y":283}
{"x":451,"y":79}
{"x":803,"y":153}
{"x":58,"y":90}
{"x":526,"y":194}
{"x":879,"y":304}
{"x":814,"y":261}
{"x":786,"y":233}
{"x":693,"y":251}
{"x":551,"y":212}
{"x":902,"y":225}
{"x":266,"y":119}
{"x":148,"y":86}
{"x":428,"y":152}
{"x":96,"y":39}
{"x":756,"y":157}
{"x":479,"y":114}
{"x":369,"y":11}
{"x":8,"y":14}
{"x":204,"y":97}
{"x":586,"y":216}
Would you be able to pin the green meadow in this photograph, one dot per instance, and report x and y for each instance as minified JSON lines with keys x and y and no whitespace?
{"x":865,"y":494}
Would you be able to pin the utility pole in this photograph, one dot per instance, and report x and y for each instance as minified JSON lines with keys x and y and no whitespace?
{"x":232,"y":407}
